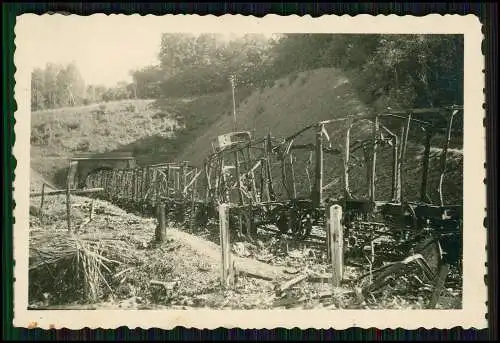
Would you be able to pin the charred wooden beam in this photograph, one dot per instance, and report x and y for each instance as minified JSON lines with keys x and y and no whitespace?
{"x":404,"y":140}
{"x":425,"y":172}
{"x":294,"y":186}
{"x":396,"y":186}
{"x":347,"y":192}
{"x":374,"y":159}
{"x":269,"y":176}
{"x":317,"y":194}
{"x":238,"y":177}
{"x":444,"y":157}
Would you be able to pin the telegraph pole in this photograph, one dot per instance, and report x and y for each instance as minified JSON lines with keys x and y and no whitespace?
{"x":234,"y":102}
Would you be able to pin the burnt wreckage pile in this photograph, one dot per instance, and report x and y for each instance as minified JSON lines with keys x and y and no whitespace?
{"x":289,"y":183}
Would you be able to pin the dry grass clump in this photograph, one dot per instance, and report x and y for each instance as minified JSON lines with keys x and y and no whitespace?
{"x":65,"y":267}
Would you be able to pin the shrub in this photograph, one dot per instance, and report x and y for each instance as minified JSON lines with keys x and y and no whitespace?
{"x":83,"y":146}
{"x":73,"y":126}
{"x":131,"y":108}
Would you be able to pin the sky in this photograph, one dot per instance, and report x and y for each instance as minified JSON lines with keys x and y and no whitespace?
{"x":104,"y":48}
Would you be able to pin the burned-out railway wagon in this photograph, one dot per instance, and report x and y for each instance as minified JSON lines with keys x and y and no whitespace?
{"x":289,"y":182}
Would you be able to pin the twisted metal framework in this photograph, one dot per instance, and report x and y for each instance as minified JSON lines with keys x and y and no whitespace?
{"x":258,"y":178}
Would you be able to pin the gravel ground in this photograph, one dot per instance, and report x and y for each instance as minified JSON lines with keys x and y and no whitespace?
{"x":183,"y":272}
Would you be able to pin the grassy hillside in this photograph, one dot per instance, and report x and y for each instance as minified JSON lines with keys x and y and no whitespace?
{"x":58,"y":134}
{"x":290,"y":104}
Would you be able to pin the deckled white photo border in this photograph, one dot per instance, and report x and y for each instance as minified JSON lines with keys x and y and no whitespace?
{"x":474,"y":289}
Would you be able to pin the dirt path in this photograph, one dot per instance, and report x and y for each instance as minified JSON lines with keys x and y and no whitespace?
{"x":213,"y":251}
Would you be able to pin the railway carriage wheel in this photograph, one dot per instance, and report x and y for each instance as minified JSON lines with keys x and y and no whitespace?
{"x":408,"y":221}
{"x":279,"y":217}
{"x":303,"y":224}
{"x":409,"y":216}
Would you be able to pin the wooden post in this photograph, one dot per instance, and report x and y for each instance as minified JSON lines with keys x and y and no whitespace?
{"x":225,"y":244}
{"x":73,"y":191}
{"x":238,"y":177}
{"x":42,"y":201}
{"x":444,"y":157}
{"x":116,"y":183}
{"x":68,"y":206}
{"x":154,"y":184}
{"x":443,"y":272}
{"x":346,"y":157}
{"x":318,"y":177}
{"x":396,"y":187}
{"x":72,"y":165}
{"x":269,"y":175}
{"x":404,"y":140}
{"x":168,"y":181}
{"x":134,"y":184}
{"x":122,"y":183}
{"x":368,"y":161}
{"x":294,"y":186}
{"x":374,"y":159}
{"x":208,"y":186}
{"x":184,"y":176}
{"x":425,"y":167}
{"x":161,"y":228}
{"x":91,"y":212}
{"x":193,"y":201}
{"x":335,"y":243}
{"x":265,"y":195}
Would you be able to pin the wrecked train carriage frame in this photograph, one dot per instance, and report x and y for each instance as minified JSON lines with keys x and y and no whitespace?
{"x":299,"y":214}
{"x":412,"y":219}
{"x":238,"y":172}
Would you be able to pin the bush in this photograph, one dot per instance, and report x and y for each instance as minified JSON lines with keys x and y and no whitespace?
{"x":73,"y":126}
{"x":196,"y":81}
{"x":131,"y":108}
{"x":83,"y":146}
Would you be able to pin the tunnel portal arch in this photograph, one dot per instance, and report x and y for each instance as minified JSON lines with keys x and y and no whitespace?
{"x":81,"y":166}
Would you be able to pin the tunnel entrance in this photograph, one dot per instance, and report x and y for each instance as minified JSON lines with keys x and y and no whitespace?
{"x":83,"y":182}
{"x":81,"y":166}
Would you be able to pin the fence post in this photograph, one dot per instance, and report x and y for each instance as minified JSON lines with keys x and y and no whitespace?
{"x":72,"y":165}
{"x":161,"y":228}
{"x":68,"y":206}
{"x":335,"y":243}
{"x":41,"y":202}
{"x":91,"y":210}
{"x":225,"y":244}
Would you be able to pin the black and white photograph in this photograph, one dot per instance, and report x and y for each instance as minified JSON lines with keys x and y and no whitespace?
{"x":250,"y":169}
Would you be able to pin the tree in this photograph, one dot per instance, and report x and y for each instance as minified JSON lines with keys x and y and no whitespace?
{"x":147,"y":81}
{"x":50,"y":86}
{"x":56,"y":86}
{"x":37,"y":94}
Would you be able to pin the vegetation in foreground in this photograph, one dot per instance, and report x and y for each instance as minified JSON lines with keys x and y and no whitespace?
{"x":112,"y":261}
